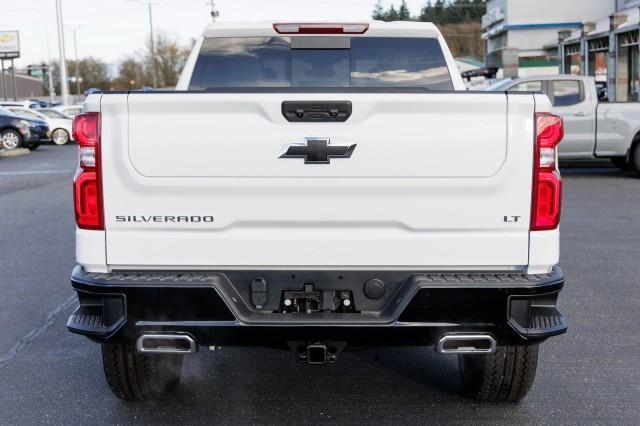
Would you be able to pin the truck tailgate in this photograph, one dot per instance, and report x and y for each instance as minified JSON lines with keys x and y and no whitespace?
{"x":436,"y":180}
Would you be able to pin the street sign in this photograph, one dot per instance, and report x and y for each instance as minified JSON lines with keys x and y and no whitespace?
{"x":9,"y":45}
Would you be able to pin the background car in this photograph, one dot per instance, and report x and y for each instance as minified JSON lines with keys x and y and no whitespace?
{"x":593,"y":129}
{"x":16,"y":131}
{"x":59,"y":123}
{"x":31,"y":104}
{"x":69,"y":110}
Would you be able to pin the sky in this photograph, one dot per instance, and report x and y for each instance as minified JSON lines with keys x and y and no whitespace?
{"x":113,"y":29}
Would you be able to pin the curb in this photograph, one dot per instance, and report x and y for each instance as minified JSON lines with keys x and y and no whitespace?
{"x":14,"y":152}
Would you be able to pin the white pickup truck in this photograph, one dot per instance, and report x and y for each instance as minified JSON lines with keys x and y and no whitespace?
{"x":593,"y":129}
{"x":318,"y":187}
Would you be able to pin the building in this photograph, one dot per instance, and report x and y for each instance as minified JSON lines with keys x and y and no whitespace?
{"x":606,"y":48}
{"x":599,"y":38}
{"x":27,"y":87}
{"x":518,"y":32}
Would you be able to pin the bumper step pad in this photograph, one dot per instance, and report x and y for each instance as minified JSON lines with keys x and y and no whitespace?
{"x":89,"y":318}
{"x":84,"y":318}
{"x":543,"y":321}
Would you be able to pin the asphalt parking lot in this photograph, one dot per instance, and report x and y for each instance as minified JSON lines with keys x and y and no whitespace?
{"x":47,"y":375}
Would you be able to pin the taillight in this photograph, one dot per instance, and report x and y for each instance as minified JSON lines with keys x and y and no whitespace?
{"x":547,"y":184}
{"x":87,"y":183}
{"x":311,"y":28}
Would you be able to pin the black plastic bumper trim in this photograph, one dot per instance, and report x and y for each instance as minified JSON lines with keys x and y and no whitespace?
{"x":211,"y":307}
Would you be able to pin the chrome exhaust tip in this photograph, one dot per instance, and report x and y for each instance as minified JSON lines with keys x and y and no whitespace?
{"x":166,"y":344}
{"x":466,"y":344}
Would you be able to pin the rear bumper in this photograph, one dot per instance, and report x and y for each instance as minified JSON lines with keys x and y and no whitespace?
{"x":218,"y":308}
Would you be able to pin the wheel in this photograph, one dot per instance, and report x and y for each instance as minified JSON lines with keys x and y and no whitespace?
{"x":506,"y":375}
{"x":10,"y":139}
{"x":60,"y":136}
{"x":634,"y":159}
{"x":622,"y":163}
{"x":134,"y":376}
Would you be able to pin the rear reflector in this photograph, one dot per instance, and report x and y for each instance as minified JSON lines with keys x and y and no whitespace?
{"x":87,"y":201}
{"x":87,"y":184}
{"x":547,"y":184}
{"x":320,"y":28}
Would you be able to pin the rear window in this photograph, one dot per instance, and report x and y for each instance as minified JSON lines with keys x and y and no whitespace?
{"x":320,"y":62}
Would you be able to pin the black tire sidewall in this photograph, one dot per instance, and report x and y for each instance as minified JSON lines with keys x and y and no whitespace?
{"x":634,"y":158}
{"x":133,"y":376}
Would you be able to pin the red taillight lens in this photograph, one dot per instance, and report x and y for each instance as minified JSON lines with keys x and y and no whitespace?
{"x":312,"y":28}
{"x":86,"y":129}
{"x":87,"y":184}
{"x":547,"y":184}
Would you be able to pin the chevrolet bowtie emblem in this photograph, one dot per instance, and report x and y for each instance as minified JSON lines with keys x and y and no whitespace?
{"x":317,"y":151}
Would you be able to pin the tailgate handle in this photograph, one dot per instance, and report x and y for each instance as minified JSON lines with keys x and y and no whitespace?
{"x":316,"y":111}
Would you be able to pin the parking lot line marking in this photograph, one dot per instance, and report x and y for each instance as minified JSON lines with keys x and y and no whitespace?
{"x":35,"y":172}
{"x":36,"y":332}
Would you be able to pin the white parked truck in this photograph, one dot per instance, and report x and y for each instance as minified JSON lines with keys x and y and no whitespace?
{"x":318,"y":187}
{"x":593,"y":129}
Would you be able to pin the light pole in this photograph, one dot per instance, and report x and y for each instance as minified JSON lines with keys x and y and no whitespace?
{"x":64,"y":84}
{"x":214,"y":12}
{"x":75,"y":49}
{"x":150,"y":4}
{"x":52,"y":90}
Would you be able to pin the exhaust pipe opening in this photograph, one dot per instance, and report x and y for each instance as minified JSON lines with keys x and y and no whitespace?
{"x":466,"y":344}
{"x":166,"y":343}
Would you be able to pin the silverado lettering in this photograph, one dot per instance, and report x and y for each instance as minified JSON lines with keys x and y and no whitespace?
{"x":165,"y":219}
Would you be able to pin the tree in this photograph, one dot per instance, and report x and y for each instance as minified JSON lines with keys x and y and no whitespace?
{"x":459,"y":21}
{"x":452,"y":12}
{"x":403,"y":13}
{"x":93,"y":71}
{"x":392,"y":14}
{"x":170,"y":59}
{"x":131,"y":75}
{"x":378,"y":12}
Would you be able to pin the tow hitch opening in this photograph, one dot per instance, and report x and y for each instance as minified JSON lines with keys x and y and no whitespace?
{"x":318,"y":352}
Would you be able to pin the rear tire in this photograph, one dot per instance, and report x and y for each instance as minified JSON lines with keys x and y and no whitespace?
{"x":133,"y":376}
{"x":505,"y":376}
{"x":634,"y":159}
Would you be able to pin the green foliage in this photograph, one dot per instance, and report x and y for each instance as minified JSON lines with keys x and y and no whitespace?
{"x":378,"y":12}
{"x":440,"y":12}
{"x":94,"y":73}
{"x":403,"y":13}
{"x":133,"y":71}
{"x":458,"y":20}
